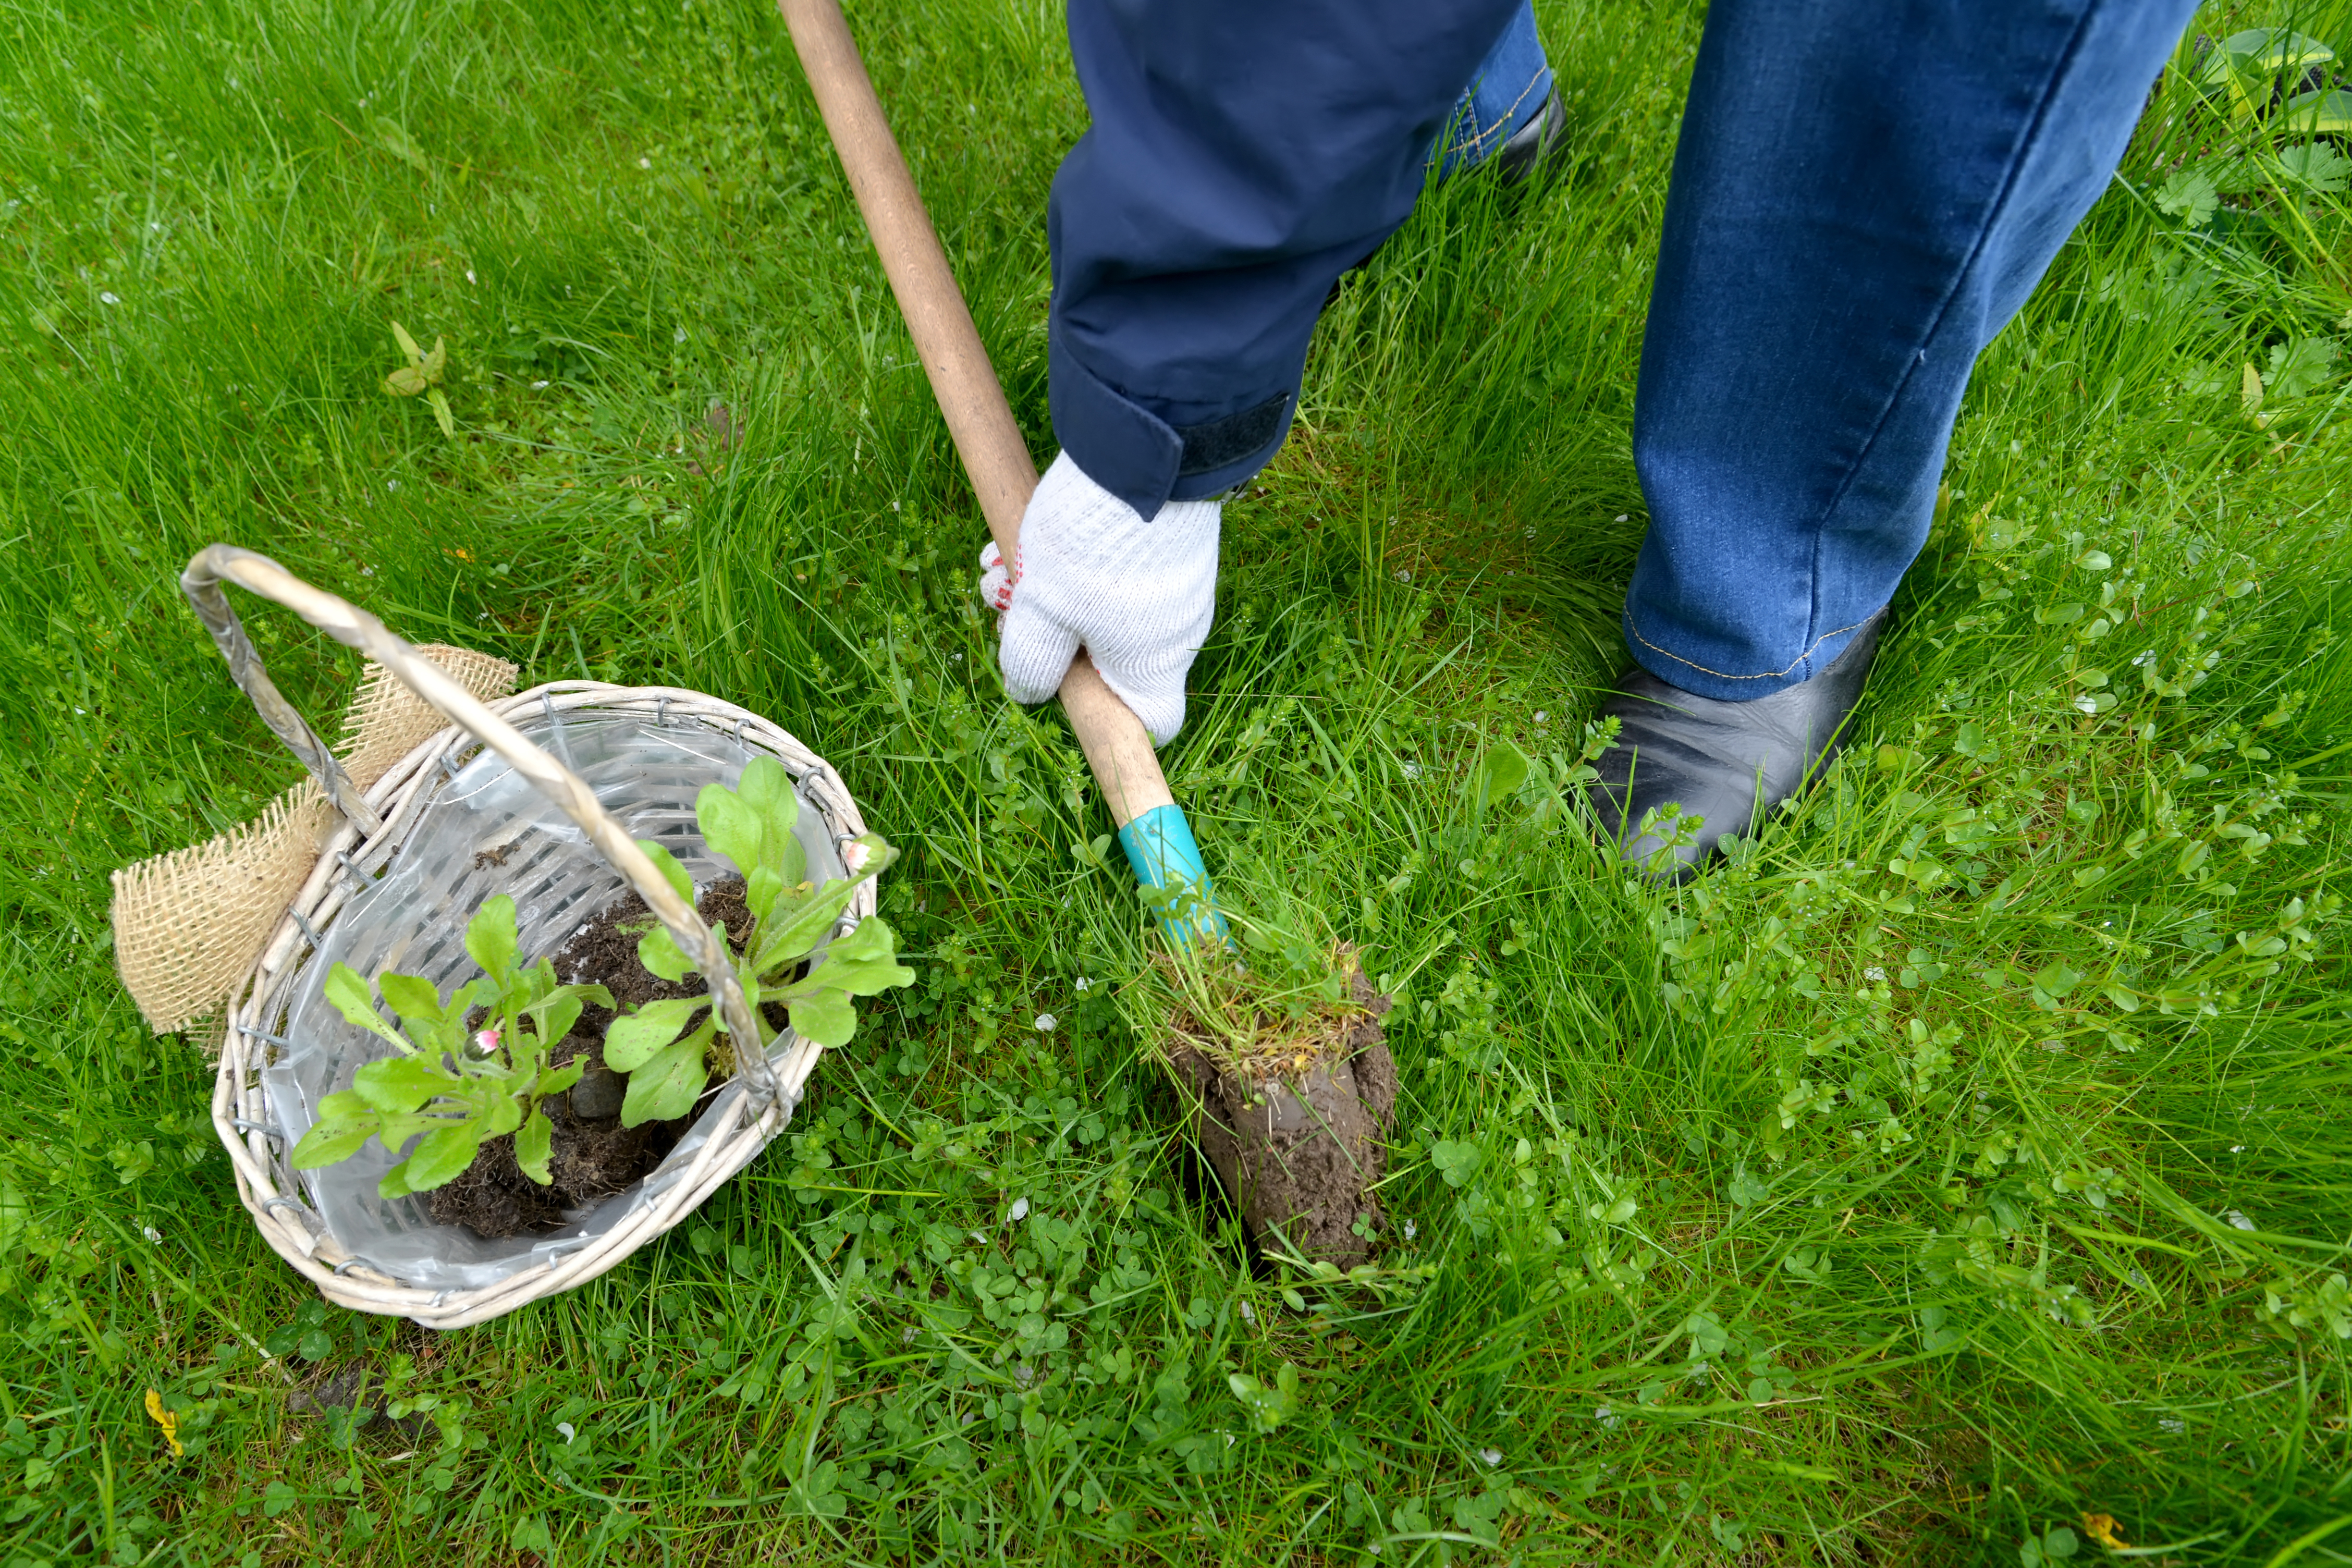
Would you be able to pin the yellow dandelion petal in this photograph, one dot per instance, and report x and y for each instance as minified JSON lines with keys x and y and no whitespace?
{"x":167,"y":1420}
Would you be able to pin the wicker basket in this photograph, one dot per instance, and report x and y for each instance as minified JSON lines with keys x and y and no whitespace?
{"x":429,"y":832}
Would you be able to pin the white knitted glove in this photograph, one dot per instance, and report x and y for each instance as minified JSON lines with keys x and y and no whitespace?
{"x":1136,"y":595}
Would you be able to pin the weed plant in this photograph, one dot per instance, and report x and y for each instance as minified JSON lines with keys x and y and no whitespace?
{"x":1955,"y":1176}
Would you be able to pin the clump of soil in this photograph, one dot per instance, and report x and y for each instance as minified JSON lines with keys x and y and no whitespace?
{"x":1294,"y":1127}
{"x":594,"y":1155}
{"x":492,"y":1197}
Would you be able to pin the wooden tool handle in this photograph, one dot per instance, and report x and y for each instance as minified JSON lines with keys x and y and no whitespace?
{"x":1116,"y":746}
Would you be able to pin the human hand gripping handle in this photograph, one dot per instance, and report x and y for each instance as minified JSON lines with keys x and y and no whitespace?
{"x":1138,"y":594}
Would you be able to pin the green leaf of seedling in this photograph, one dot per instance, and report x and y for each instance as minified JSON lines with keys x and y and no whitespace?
{"x":490,"y":942}
{"x":438,"y":1041}
{"x":408,"y":349}
{"x":413,"y":997}
{"x":672,"y":872}
{"x":448,"y":1037}
{"x":555,"y":1080}
{"x":761,"y":890}
{"x":438,"y":401}
{"x":501,"y":1116}
{"x":659,"y":953}
{"x":337,"y":1134}
{"x":669,"y":1085}
{"x":398,"y":1128}
{"x":533,"y":1145}
{"x":863,"y":963}
{"x":394,"y":1184}
{"x":824,"y":1016}
{"x":767,"y":789}
{"x":349,"y":993}
{"x":399,"y":1084}
{"x":343,"y":1106}
{"x":442,"y":1155}
{"x":798,"y":929}
{"x":633,"y":1038}
{"x":552,"y":1015}
{"x":531,"y":987}
{"x":731,"y":827}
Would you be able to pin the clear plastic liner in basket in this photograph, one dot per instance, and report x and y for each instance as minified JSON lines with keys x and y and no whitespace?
{"x":489,"y":830}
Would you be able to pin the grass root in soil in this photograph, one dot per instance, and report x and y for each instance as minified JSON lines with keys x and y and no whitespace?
{"x":594,"y":1155}
{"x":1296,"y":1126}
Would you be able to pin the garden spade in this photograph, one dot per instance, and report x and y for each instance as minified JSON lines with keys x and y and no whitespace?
{"x":1152,"y":826}
{"x":1299,"y":1147}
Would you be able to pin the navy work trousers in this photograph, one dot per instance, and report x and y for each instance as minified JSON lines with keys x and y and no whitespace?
{"x":1863,"y":193}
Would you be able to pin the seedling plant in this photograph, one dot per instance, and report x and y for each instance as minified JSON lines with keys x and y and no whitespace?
{"x":667,"y":1061}
{"x":452,"y":1085}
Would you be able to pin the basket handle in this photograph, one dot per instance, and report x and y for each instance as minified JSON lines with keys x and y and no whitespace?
{"x":354,"y":627}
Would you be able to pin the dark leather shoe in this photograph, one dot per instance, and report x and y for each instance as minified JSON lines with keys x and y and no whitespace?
{"x":1726,"y":763}
{"x":1532,"y":145}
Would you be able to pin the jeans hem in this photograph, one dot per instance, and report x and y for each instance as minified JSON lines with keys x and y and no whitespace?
{"x":1783,"y":678}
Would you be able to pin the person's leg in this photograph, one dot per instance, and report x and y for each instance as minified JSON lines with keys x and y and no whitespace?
{"x":1506,"y":117}
{"x":1865,"y":191}
{"x":1243,"y":155}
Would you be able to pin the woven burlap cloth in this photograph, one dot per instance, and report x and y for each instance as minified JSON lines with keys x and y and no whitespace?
{"x":188,"y":926}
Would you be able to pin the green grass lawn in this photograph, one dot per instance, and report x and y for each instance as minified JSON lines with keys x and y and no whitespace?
{"x":1961,"y":1169}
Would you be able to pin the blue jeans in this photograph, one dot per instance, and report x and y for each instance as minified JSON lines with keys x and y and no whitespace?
{"x":1865,"y":191}
{"x":1509,"y":88}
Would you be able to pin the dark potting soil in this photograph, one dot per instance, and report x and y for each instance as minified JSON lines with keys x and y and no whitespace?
{"x":1299,"y":1153}
{"x":594,"y":1155}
